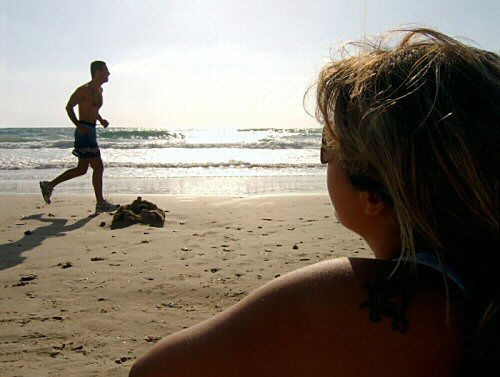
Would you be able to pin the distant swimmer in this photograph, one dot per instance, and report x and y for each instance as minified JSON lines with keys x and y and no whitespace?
{"x":88,"y":97}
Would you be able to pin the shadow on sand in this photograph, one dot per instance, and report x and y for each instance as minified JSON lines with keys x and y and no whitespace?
{"x":10,"y":253}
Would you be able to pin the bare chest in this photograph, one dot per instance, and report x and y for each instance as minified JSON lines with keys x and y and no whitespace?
{"x":95,"y":98}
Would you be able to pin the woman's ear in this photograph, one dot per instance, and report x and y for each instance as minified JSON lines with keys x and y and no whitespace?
{"x":372,"y":203}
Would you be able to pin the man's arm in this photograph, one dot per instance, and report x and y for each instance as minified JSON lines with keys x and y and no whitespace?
{"x":104,"y":122}
{"x":78,"y":96}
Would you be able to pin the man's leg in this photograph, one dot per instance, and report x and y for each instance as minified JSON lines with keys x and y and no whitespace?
{"x":101,"y":205}
{"x":98,"y":168}
{"x":46,"y":187}
{"x":81,"y":169}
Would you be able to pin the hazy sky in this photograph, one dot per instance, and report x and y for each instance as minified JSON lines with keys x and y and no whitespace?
{"x":234,"y":63}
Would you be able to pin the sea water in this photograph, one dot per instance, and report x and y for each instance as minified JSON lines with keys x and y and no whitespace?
{"x":214,"y":161}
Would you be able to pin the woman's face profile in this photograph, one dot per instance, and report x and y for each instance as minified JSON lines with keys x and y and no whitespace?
{"x":345,"y":198}
{"x":363,"y":213}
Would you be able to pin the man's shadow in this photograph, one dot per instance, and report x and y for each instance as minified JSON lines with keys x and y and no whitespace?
{"x":10,"y":253}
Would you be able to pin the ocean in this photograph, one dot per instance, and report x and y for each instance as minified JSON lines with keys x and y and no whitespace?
{"x":186,"y":162}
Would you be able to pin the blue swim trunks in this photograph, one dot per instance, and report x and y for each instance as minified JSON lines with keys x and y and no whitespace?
{"x":86,"y":145}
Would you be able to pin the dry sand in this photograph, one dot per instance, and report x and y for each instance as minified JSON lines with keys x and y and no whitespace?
{"x":123,"y":289}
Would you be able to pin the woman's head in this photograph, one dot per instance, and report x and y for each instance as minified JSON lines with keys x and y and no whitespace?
{"x":418,"y":126}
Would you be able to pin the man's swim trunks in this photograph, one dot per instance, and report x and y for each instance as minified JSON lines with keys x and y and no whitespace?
{"x":86,"y":145}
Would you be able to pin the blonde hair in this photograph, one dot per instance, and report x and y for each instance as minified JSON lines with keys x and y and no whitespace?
{"x":418,"y":124}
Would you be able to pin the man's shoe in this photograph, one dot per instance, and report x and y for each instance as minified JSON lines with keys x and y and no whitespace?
{"x":106,"y":206}
{"x":46,"y":191}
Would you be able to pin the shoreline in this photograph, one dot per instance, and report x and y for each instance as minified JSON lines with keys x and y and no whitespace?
{"x":127,"y":196}
{"x":220,"y":186}
{"x":78,"y":296}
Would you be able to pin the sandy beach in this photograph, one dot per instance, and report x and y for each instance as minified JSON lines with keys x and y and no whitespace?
{"x":81,"y":299}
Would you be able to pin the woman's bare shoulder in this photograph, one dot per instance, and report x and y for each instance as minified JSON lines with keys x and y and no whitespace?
{"x":334,"y":315}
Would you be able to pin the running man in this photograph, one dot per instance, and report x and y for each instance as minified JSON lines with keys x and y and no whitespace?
{"x":88,"y":97}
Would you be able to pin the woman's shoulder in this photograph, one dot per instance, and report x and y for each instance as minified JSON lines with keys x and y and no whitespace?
{"x":354,"y":315}
{"x":334,"y":317}
{"x":344,"y":313}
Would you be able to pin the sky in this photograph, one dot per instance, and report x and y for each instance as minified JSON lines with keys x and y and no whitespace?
{"x":212,"y":63}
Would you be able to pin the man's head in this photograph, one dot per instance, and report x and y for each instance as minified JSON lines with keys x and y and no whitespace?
{"x":99,"y":71}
